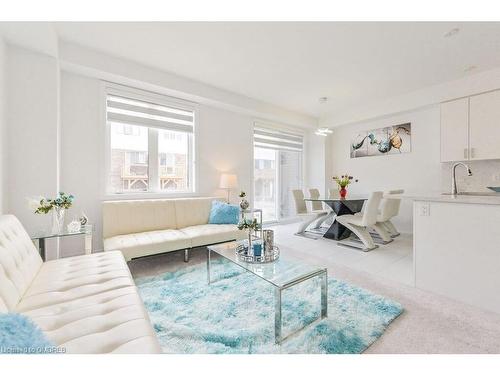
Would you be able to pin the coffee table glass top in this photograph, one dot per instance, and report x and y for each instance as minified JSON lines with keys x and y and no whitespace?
{"x":282,"y":273}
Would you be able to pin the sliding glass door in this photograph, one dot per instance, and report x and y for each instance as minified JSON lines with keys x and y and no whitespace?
{"x":277,"y":171}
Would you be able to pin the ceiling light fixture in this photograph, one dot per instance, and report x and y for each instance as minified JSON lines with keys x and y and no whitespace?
{"x":323,"y":132}
{"x":452,"y":32}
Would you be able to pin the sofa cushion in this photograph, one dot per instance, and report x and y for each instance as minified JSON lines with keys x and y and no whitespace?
{"x":19,"y":262}
{"x":136,"y":216}
{"x":223,"y":213}
{"x":192,"y":211}
{"x":70,"y":273}
{"x":63,"y":280}
{"x":207,"y":234}
{"x":142,"y":244}
{"x":107,"y":322}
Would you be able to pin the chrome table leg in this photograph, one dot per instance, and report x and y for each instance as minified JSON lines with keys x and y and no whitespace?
{"x":277,"y":315}
{"x":324,"y":295}
{"x":208,"y":266}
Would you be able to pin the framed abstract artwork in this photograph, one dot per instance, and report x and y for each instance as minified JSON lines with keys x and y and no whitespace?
{"x":383,"y":141}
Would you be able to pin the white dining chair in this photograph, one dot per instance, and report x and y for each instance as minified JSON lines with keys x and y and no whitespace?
{"x":317,"y":206}
{"x":301,"y":210}
{"x":333,"y":193}
{"x":392,"y":211}
{"x":389,"y":208}
{"x":360,"y":224}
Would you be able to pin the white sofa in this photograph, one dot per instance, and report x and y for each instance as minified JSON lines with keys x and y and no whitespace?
{"x":85,"y":304}
{"x":145,"y":227}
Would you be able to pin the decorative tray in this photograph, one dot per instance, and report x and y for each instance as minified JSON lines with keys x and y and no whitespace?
{"x":268,"y":256}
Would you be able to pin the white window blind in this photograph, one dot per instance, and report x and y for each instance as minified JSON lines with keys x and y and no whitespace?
{"x":277,"y":140}
{"x":129,"y":111}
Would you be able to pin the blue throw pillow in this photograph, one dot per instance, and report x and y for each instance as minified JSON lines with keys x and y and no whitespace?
{"x":223,"y":213}
{"x":19,"y":335}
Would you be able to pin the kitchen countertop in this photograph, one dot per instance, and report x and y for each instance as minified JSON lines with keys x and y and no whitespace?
{"x":487,"y":198}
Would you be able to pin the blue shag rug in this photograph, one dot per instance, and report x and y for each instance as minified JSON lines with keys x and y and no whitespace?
{"x":235,"y":314}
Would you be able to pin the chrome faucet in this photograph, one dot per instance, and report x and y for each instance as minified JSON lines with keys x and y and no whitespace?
{"x":454,"y":179}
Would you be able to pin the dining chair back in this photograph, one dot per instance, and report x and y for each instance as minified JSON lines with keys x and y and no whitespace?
{"x":370,"y":213}
{"x":389,"y":207}
{"x":300,"y":203}
{"x":316,"y":205}
{"x":391,"y":211}
{"x":333,"y":193}
{"x":307,"y":217}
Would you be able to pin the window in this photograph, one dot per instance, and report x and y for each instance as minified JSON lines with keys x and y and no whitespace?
{"x":277,"y":171}
{"x":150,"y":143}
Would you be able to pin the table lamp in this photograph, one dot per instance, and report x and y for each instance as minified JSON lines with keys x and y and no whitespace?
{"x":228,"y":182}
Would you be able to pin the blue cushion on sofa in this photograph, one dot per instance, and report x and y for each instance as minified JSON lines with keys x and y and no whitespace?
{"x":18,"y":334}
{"x":223,"y":213}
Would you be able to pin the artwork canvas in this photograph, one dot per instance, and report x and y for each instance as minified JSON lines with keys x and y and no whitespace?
{"x":383,"y":141}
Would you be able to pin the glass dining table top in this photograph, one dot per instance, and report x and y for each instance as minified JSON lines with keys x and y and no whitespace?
{"x":340,"y":199}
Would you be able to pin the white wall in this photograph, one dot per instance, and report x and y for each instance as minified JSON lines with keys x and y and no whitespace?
{"x":224,"y":144}
{"x":32,"y":118}
{"x":314,"y":171}
{"x":418,"y":172}
{"x":3,"y":131}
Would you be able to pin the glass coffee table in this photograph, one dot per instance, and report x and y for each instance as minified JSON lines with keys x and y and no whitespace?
{"x":281,"y":274}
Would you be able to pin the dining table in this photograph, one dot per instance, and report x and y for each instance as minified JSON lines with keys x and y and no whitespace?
{"x":348,"y":205}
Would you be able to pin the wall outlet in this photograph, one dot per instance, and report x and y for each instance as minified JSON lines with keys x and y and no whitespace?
{"x":496,"y":177}
{"x":425,"y":209}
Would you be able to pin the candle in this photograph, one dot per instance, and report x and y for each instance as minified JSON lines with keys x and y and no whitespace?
{"x":257,"y":250}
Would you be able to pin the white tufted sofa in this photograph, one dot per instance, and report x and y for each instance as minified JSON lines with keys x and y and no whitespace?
{"x":85,"y":304}
{"x":145,"y":227}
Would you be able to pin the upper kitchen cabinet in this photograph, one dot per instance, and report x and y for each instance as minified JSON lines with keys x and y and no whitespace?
{"x":455,"y":130}
{"x":484,"y":124}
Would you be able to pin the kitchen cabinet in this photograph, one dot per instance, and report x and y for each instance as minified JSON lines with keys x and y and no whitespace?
{"x":470,"y":128}
{"x":484,"y":125}
{"x":455,"y":130}
{"x":456,"y":250}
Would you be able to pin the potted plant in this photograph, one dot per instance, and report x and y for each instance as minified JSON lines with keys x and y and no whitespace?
{"x":251,"y":226}
{"x":58,"y":206}
{"x":343,"y":182}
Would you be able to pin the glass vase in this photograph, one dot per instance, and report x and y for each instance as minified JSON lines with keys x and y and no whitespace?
{"x":343,"y":192}
{"x":250,"y":243}
{"x":58,"y":220}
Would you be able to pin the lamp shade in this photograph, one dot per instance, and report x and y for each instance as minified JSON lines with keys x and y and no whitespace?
{"x":228,"y":181}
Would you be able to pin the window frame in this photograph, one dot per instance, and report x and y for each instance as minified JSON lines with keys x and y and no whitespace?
{"x":109,"y":88}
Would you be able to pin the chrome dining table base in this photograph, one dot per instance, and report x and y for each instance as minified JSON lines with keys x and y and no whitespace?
{"x":341,"y":207}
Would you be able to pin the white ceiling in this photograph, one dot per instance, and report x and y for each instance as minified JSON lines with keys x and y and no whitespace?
{"x":293,"y":64}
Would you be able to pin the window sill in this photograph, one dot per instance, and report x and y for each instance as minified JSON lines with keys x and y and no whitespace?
{"x":132,"y":196}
